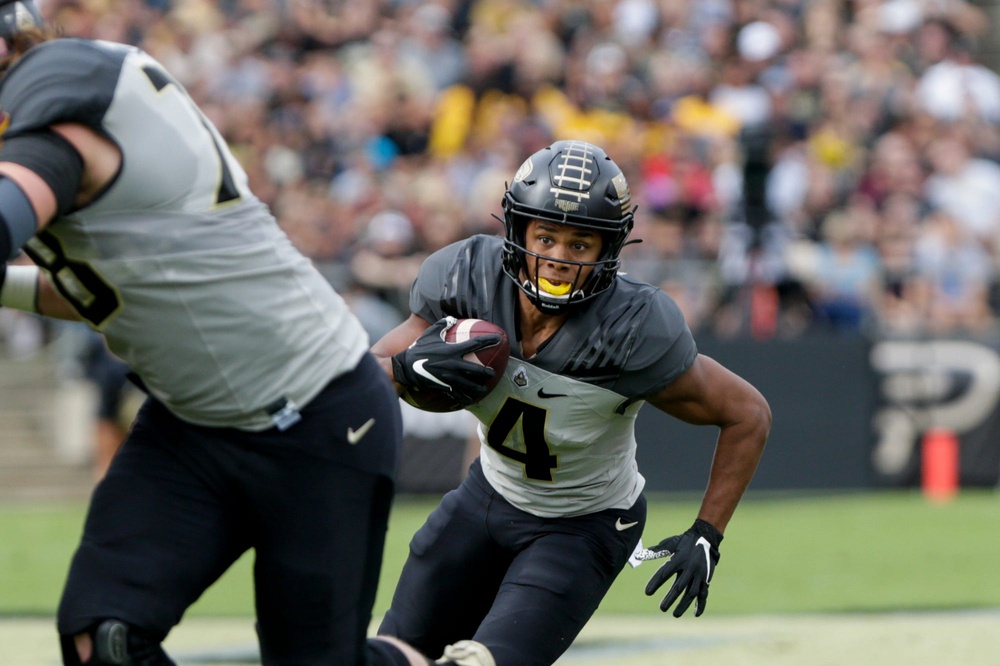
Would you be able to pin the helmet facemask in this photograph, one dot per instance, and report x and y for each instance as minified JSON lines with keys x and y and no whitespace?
{"x":576,"y":184}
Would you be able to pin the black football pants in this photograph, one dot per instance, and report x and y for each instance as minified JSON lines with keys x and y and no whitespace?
{"x":181,"y":503}
{"x":522,"y":585}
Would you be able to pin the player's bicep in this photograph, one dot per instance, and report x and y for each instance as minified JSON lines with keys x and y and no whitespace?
{"x":48,"y":169}
{"x":706,"y":394}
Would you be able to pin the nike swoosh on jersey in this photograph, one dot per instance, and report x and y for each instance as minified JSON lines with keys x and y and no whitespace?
{"x":543,"y":394}
{"x":418,"y":368}
{"x":621,"y":527}
{"x":707,"y":547}
{"x":354,"y":436}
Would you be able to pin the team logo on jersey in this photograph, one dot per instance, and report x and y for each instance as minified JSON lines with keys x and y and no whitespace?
{"x":4,"y":122}
{"x":520,"y":377}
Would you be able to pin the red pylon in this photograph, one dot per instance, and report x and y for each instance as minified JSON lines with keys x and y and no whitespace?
{"x":939,"y":468}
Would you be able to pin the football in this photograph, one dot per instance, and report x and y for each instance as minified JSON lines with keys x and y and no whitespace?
{"x":495,"y":357}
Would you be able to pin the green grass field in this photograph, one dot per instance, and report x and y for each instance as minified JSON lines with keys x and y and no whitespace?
{"x":865,"y":552}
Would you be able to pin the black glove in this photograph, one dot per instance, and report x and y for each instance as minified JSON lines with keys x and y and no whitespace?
{"x":431,"y":363}
{"x":693,"y":556}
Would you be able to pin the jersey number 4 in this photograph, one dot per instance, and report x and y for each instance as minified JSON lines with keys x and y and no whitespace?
{"x":538,"y":461}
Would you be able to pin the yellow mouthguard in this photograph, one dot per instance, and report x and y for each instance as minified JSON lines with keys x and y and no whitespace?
{"x":555,"y":290}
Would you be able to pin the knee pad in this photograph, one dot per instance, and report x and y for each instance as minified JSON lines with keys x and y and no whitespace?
{"x":115,"y":643}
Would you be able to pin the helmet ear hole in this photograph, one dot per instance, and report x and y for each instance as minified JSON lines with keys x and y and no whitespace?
{"x":610,"y":193}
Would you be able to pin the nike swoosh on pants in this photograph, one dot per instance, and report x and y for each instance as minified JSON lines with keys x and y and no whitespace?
{"x":354,"y":436}
{"x":621,"y":527}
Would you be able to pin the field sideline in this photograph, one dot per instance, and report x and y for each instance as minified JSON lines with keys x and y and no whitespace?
{"x":870,"y":639}
{"x":867,"y":578}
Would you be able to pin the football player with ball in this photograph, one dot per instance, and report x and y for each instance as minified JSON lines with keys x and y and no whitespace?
{"x":512,"y":564}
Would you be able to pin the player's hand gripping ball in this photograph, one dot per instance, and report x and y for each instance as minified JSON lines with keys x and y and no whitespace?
{"x":454,"y":364}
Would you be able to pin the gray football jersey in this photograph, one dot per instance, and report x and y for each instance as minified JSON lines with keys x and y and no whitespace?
{"x":558,"y":432}
{"x":177,"y":263}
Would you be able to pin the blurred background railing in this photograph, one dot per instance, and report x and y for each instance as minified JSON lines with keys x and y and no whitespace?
{"x":45,"y":432}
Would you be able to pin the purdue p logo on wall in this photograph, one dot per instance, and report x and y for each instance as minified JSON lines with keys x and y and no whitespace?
{"x":953,"y":384}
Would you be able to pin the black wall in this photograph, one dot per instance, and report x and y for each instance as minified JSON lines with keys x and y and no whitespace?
{"x":823,"y":394}
{"x":848,"y":414}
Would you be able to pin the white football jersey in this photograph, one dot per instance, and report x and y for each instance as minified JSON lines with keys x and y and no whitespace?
{"x":177,"y":263}
{"x":554,"y":446}
{"x":558,"y":431}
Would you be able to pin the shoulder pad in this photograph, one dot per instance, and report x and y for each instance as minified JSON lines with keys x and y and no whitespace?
{"x":65,"y":80}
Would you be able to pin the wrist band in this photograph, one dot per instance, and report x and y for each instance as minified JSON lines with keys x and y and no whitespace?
{"x":20,"y":288}
{"x":707,"y":530}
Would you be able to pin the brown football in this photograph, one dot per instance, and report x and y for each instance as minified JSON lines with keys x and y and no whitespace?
{"x":495,"y":357}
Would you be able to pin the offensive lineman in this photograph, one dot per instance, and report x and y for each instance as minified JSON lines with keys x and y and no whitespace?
{"x":268,"y":425}
{"x":518,"y":558}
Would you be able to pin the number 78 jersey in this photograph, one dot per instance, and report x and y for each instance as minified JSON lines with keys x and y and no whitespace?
{"x":176,"y":262}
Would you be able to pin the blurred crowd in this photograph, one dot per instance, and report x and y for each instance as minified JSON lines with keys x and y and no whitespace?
{"x":799,"y":165}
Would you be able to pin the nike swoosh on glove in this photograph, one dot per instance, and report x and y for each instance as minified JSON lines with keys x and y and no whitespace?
{"x":432,"y":363}
{"x":693,"y":557}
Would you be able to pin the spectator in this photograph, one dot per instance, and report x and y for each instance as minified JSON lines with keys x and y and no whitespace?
{"x":954,"y":274}
{"x":965,"y":186}
{"x":958,"y":88}
{"x":386,"y":260}
{"x":900,"y":313}
{"x":844,"y":286}
{"x":431,"y":43}
{"x":350,"y":101}
{"x":670,"y":259}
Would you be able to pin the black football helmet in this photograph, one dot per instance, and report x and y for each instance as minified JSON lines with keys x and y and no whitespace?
{"x":575,"y":183}
{"x":17,"y":15}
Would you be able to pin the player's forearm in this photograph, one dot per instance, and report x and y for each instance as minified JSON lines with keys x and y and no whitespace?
{"x":396,"y":341}
{"x":385,"y":362}
{"x":52,"y":304}
{"x":737,"y":453}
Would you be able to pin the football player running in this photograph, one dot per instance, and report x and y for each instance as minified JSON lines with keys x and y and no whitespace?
{"x":516,"y":560}
{"x":268,"y":424}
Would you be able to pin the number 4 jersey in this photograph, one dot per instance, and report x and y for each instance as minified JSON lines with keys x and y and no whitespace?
{"x":183,"y":270}
{"x":558,"y":432}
